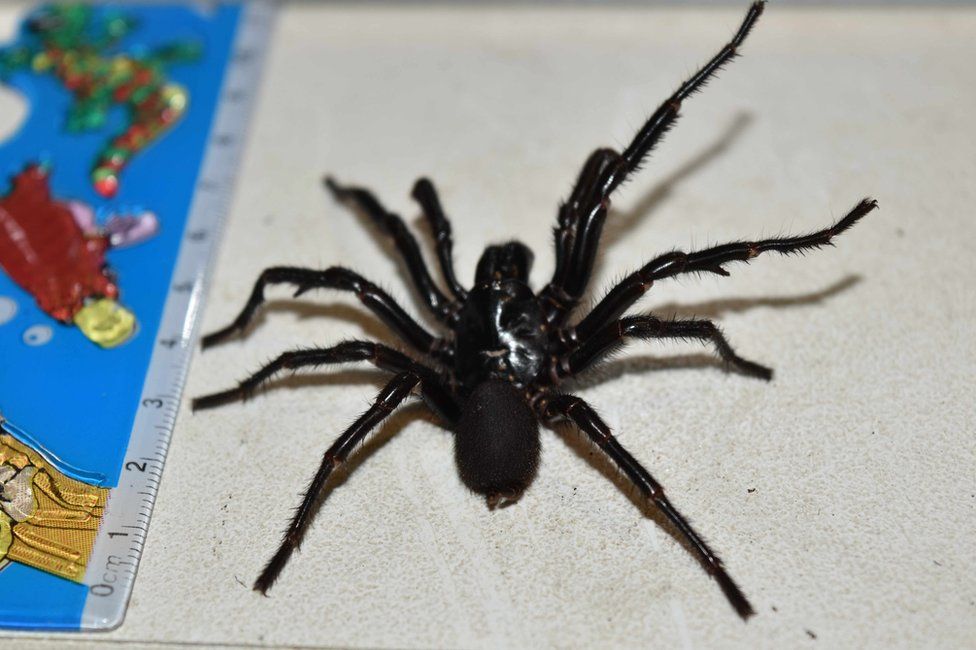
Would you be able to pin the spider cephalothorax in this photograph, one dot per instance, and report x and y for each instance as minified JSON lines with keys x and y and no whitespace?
{"x":501,"y":368}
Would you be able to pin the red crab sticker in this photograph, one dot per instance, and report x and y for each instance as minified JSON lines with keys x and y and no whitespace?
{"x":56,"y":251}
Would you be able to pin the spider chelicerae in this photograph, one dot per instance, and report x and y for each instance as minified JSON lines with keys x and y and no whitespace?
{"x":500,"y":369}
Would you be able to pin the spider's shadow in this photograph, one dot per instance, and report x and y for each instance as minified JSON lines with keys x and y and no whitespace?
{"x":712,"y":309}
{"x":371,"y":327}
{"x":582,"y":446}
{"x":392,"y":426}
{"x":619,"y":223}
{"x":590,"y":453}
{"x":617,"y":226}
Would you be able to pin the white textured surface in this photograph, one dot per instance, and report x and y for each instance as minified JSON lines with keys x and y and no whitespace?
{"x":861,"y":525}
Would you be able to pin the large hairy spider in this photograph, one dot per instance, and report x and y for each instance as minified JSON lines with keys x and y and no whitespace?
{"x":499,"y":371}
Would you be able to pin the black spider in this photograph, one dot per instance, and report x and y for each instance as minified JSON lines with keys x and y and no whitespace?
{"x":498,"y":372}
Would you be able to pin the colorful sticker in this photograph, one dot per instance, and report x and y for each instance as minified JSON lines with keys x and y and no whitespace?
{"x":80,"y":46}
{"x":56,"y":251}
{"x":47,"y":520}
{"x":102,"y":82}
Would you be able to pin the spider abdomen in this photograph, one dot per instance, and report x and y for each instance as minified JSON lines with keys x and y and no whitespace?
{"x":496,"y":444}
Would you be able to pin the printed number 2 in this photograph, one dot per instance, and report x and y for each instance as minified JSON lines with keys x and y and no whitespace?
{"x":133,"y":465}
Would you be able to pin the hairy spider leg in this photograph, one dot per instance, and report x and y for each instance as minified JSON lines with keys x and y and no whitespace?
{"x":581,"y":221}
{"x":336,"y":277}
{"x":364,"y":201}
{"x":381,"y":356}
{"x":583,"y":415}
{"x":426,"y":195}
{"x":710,"y":260}
{"x":392,"y":395}
{"x":612,"y":335}
{"x":564,"y":233}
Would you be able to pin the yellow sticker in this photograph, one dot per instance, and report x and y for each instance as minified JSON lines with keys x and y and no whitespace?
{"x":106,"y":322}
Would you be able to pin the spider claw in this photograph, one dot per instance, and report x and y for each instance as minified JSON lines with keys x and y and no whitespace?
{"x":221,"y":335}
{"x":333,"y":186}
{"x":761,"y":372}
{"x":261,"y":587}
{"x":211,"y":339}
{"x":734,"y":595}
{"x":214,"y":400}
{"x":269,"y":575}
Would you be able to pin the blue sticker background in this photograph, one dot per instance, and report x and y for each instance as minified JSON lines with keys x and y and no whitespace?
{"x":77,"y":399}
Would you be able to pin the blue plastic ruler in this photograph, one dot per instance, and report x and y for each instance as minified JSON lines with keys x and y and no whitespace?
{"x":111,"y":427}
{"x":113,"y":564}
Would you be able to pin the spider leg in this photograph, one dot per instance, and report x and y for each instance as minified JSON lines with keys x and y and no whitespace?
{"x":381,"y":356}
{"x":614,"y":334}
{"x":581,"y":219}
{"x":426,"y":195}
{"x":343,"y":279}
{"x":710,"y":260}
{"x":568,"y":219}
{"x":388,"y":399}
{"x":363,"y":200}
{"x":583,"y":415}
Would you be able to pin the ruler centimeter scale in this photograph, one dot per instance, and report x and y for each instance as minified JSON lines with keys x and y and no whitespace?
{"x":122,"y":534}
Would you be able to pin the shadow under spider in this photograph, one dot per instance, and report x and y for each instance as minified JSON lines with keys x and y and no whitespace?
{"x":392,"y":426}
{"x":712,"y":309}
{"x":716,"y":308}
{"x":619,"y":223}
{"x":586,"y":450}
{"x":345,"y":377}
{"x":372,"y":327}
{"x":591,"y":454}
{"x":581,"y":445}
